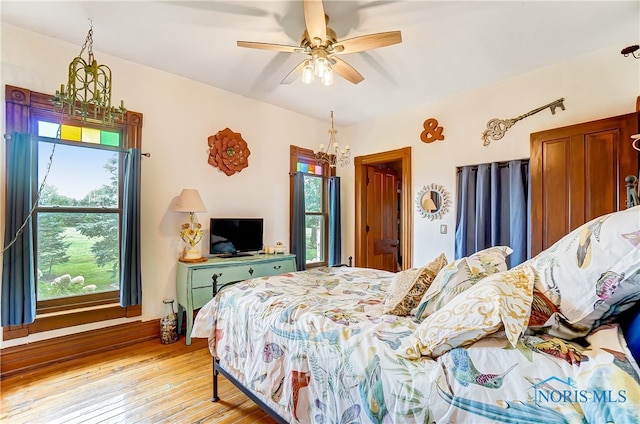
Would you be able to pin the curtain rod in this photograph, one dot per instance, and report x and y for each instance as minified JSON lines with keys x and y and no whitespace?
{"x":291,"y":174}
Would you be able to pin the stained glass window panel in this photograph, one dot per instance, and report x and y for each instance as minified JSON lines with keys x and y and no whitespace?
{"x":110,"y":138}
{"x":48,"y":129}
{"x":71,"y":132}
{"x":91,"y":135}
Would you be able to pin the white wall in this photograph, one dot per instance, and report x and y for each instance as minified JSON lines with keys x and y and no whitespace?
{"x":179,"y":115}
{"x":598,"y":85}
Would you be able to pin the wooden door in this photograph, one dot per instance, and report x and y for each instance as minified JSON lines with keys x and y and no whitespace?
{"x":400,"y":160}
{"x":382,"y":218}
{"x":577,"y":174}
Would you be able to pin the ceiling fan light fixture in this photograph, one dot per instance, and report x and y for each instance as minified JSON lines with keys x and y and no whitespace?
{"x":307,"y":72}
{"x":321,"y":46}
{"x":320,"y":62}
{"x":327,"y":78}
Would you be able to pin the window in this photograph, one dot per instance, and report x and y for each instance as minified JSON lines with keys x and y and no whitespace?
{"x":77,"y":217}
{"x":316,"y":204}
{"x":91,"y":191}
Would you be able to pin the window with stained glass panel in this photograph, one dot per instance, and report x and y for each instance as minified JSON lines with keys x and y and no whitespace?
{"x":316,"y":204}
{"x":78,"y":213}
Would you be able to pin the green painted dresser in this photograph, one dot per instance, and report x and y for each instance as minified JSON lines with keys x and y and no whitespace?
{"x":197,"y":283}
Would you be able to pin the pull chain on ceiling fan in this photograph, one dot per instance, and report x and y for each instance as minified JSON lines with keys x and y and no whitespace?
{"x":320,"y":44}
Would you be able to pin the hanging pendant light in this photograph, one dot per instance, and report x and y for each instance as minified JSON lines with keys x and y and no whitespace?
{"x":87,"y":93}
{"x":332,"y":154}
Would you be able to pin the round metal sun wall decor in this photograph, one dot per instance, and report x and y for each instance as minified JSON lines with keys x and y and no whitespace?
{"x":433,"y":202}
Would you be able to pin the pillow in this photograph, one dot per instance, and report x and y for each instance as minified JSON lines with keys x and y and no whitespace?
{"x":501,"y":300}
{"x":408,"y":287}
{"x":592,"y":274}
{"x":458,"y":276}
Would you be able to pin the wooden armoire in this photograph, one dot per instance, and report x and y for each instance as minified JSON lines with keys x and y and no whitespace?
{"x":577,"y":174}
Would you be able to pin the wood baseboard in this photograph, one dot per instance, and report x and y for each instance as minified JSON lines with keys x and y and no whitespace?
{"x":34,"y":355}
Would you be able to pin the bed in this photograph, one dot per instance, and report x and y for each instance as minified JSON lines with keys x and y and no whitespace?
{"x":551,"y":340}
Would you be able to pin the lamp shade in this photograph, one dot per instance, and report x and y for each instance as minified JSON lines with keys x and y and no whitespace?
{"x":429,"y":205}
{"x":189,"y":201}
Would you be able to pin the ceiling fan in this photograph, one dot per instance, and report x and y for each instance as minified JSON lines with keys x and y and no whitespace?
{"x":320,"y":44}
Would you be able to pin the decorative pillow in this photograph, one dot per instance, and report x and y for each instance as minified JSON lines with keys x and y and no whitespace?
{"x":408,"y":287}
{"x":458,"y":276}
{"x":592,"y":274}
{"x":501,"y":300}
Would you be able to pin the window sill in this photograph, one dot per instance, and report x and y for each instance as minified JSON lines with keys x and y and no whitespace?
{"x":70,"y":318}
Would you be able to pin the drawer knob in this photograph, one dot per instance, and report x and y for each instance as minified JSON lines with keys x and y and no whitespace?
{"x":277,"y":266}
{"x":251,"y":271}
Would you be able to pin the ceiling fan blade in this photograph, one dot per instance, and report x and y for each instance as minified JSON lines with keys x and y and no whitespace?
{"x":315,"y":21}
{"x":345,"y":70}
{"x":368,"y":42}
{"x":269,"y":46}
{"x":294,"y":74}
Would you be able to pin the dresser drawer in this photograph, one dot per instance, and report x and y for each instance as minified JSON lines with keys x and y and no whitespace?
{"x":274,"y":268}
{"x":200,"y":296}
{"x":202,"y":278}
{"x":236,"y":273}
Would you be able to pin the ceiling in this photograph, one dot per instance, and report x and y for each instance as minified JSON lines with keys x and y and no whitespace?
{"x":448,"y":46}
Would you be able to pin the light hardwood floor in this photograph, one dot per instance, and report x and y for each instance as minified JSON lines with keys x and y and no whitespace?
{"x":145,"y":383}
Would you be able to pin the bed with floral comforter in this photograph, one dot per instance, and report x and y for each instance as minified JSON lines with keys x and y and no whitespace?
{"x":465,"y":342}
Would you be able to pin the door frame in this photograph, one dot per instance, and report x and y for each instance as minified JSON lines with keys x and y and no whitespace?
{"x":402,"y":159}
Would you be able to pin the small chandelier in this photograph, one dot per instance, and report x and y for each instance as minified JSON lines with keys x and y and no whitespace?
{"x":318,"y":66}
{"x":631,"y":50}
{"x":332,"y":153}
{"x":88,"y":90}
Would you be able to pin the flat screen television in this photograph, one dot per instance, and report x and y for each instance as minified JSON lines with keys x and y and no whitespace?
{"x":235,"y":236}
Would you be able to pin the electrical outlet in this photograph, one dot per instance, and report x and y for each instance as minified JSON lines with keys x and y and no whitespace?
{"x":443,"y":228}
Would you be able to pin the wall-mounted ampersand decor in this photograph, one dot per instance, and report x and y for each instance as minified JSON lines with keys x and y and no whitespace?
{"x":432,"y":131}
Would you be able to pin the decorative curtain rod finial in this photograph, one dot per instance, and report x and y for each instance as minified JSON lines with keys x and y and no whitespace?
{"x":631,"y":50}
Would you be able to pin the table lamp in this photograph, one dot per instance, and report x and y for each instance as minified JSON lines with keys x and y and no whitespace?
{"x":190,"y":232}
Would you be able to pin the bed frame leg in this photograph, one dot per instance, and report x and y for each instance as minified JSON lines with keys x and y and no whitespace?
{"x":215,"y":397}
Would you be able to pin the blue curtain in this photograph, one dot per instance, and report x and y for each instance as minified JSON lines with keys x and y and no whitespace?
{"x":298,"y":247}
{"x":335,"y":237}
{"x":493,"y":209}
{"x":18,"y":284}
{"x":131,"y":269}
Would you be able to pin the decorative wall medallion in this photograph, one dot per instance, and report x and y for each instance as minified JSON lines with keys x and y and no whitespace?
{"x":432,"y":131}
{"x":433,"y":201}
{"x":228,"y":151}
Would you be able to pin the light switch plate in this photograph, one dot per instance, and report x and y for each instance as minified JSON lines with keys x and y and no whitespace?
{"x":443,"y":228}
